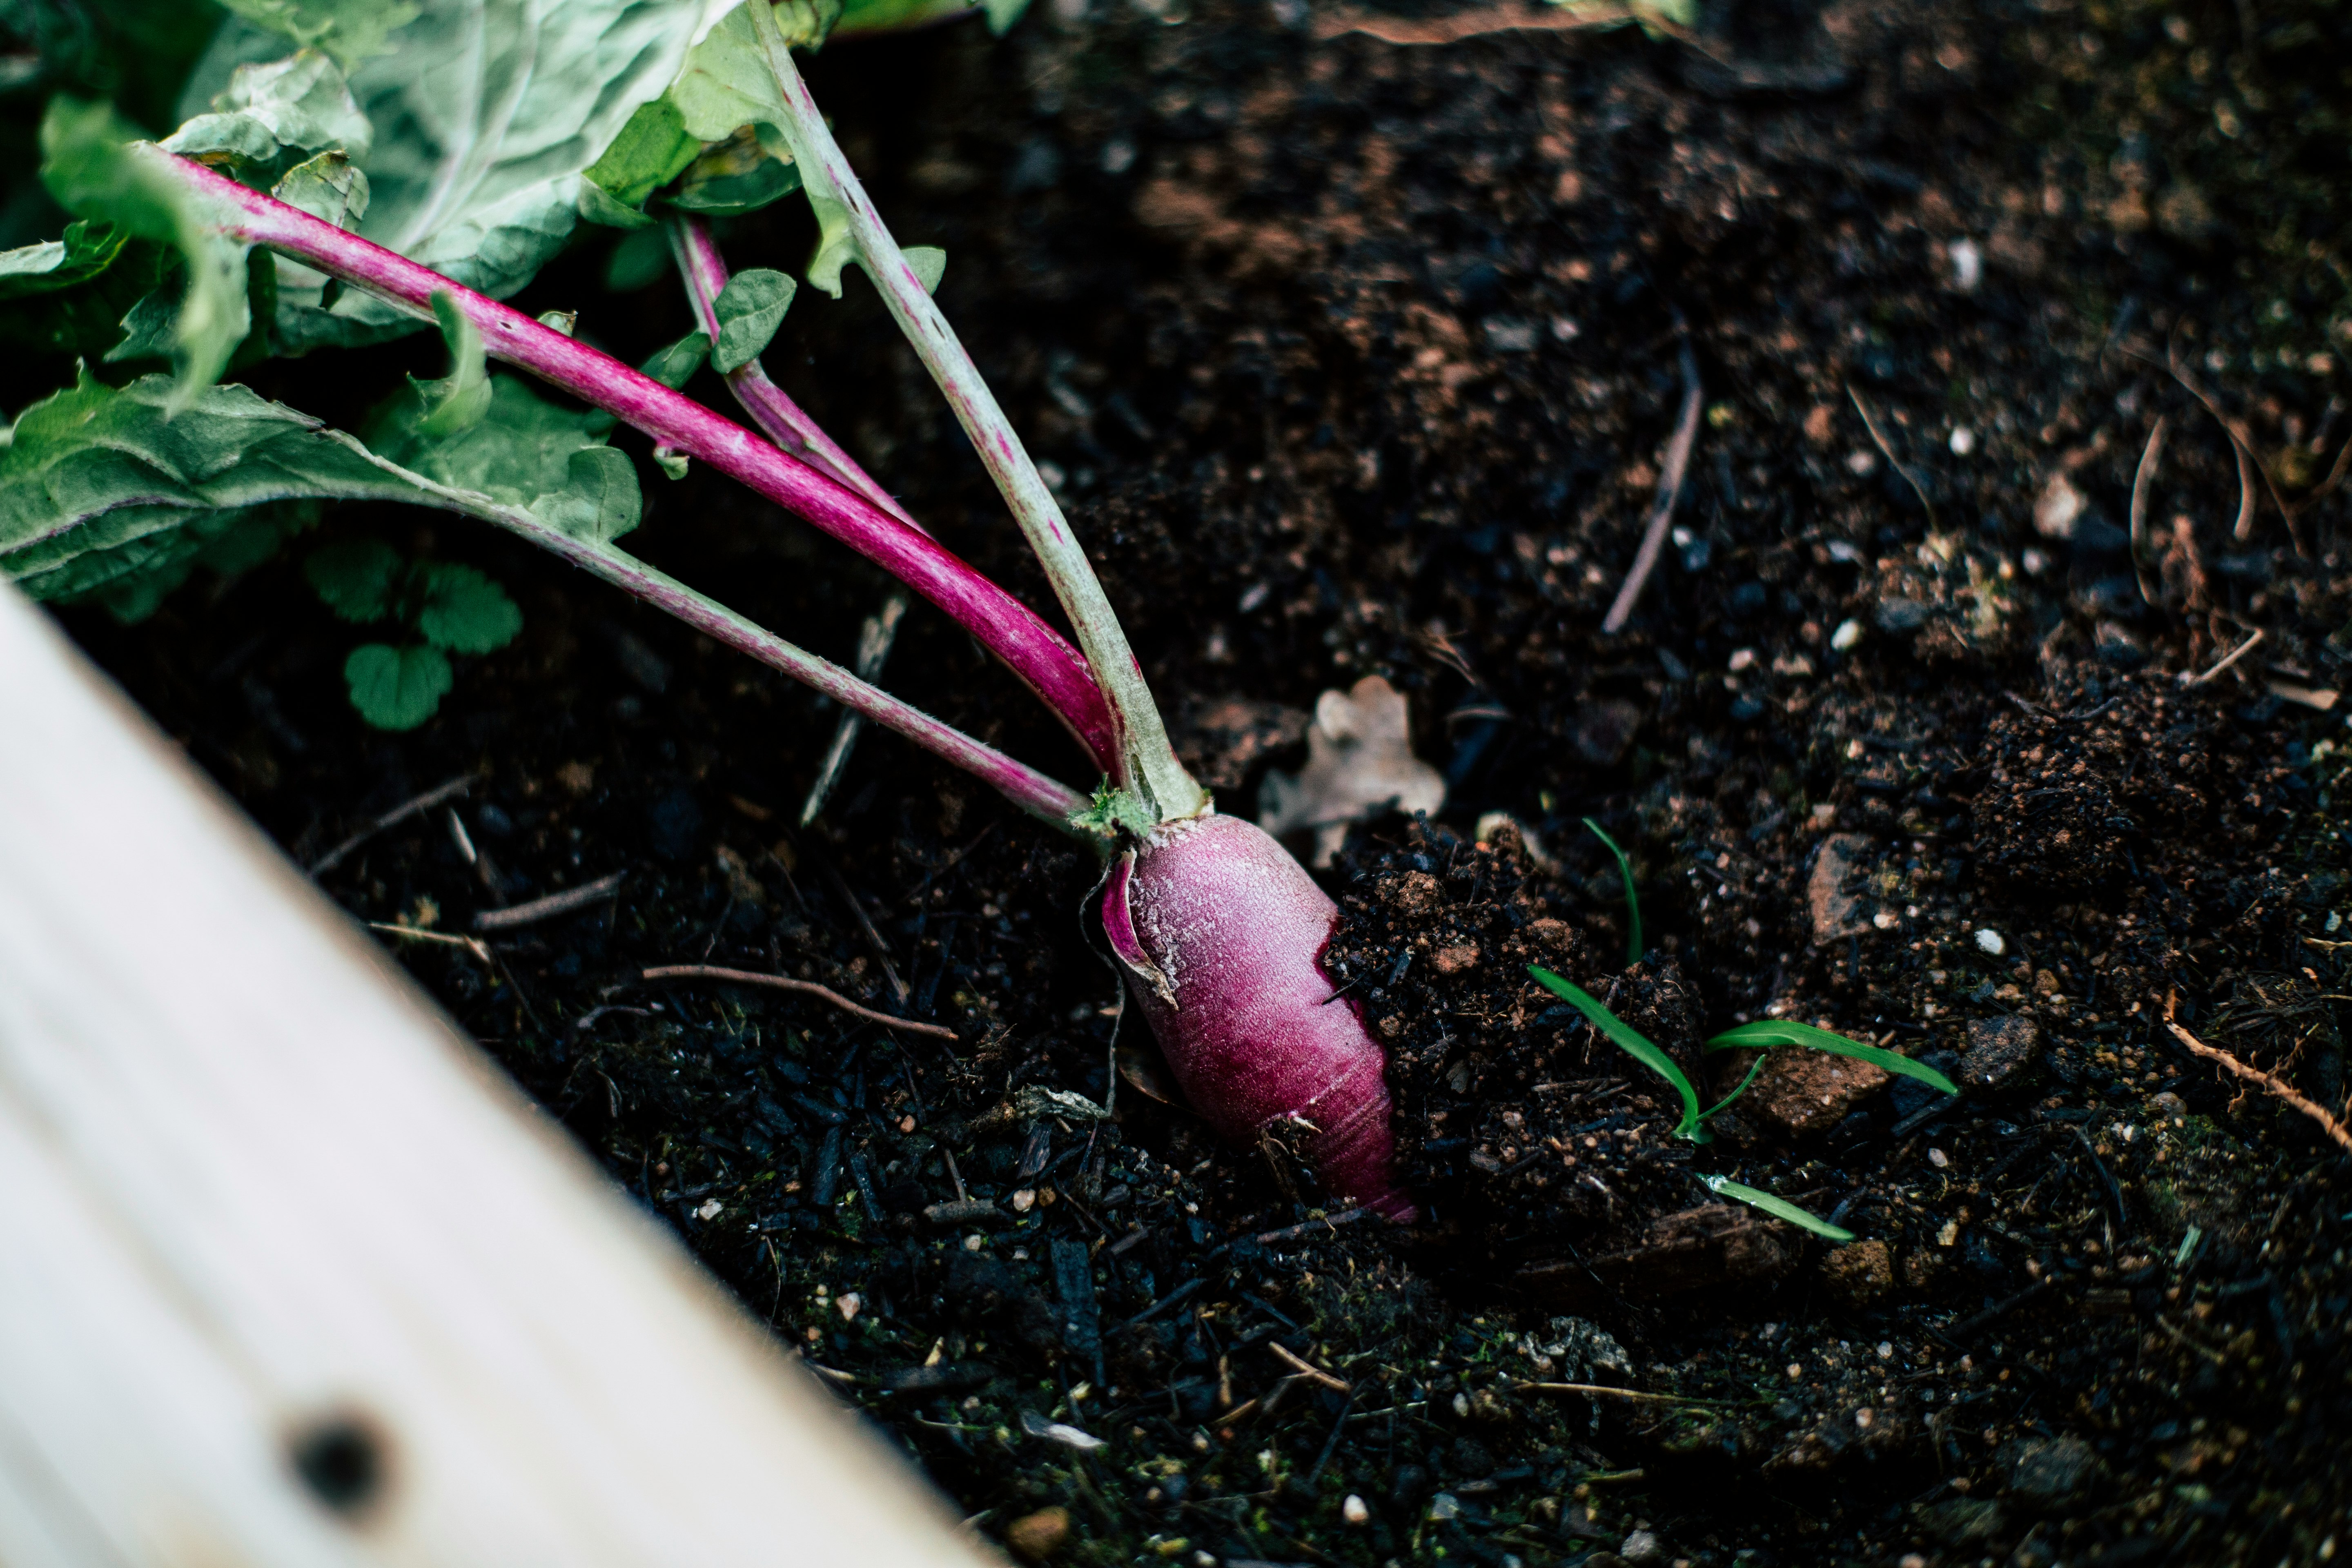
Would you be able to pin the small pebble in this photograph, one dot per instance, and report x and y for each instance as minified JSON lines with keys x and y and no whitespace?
{"x":1990,"y":940}
{"x":848,"y":1304}
{"x":1848,"y":633}
{"x":1964,"y":441}
{"x":1039,"y":1536}
{"x":1444,"y":1507}
{"x":1355,"y":1510}
{"x":1938,"y":1159}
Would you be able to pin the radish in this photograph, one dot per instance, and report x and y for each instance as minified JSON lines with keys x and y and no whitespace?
{"x":1220,"y":930}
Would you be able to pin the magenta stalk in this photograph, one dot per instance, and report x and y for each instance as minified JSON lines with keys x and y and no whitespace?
{"x":1146,"y":760}
{"x":1049,"y":800}
{"x":1047,"y":664}
{"x":769,"y":406}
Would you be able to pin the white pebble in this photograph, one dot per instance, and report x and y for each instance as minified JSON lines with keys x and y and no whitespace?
{"x":1848,"y":633}
{"x":1938,"y":1159}
{"x":1968,"y":264}
{"x":1990,"y":940}
{"x":1742,"y":659}
{"x":1354,"y":1510}
{"x":848,"y":1304}
{"x":1964,"y":440}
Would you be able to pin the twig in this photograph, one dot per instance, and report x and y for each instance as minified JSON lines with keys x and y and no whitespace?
{"x":2249,"y":464}
{"x":874,"y":640}
{"x":1603,"y":1391}
{"x":1670,"y":489}
{"x":2242,"y":649}
{"x":2328,"y":1124}
{"x":805,"y":987}
{"x":899,"y":987}
{"x":1306,"y":1369}
{"x":548,"y":908}
{"x":472,"y":944}
{"x":392,"y":819}
{"x":1475,"y":23}
{"x":2144,"y":480}
{"x":1310,"y":1227}
{"x":1888,"y":451}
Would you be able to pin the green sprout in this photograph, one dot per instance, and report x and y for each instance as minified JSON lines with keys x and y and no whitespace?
{"x":1759,"y":1037}
{"x":1633,"y":904}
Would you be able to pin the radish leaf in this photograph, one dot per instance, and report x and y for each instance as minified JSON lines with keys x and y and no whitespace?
{"x":749,"y":310}
{"x":1767,"y":1033}
{"x":396,"y":688}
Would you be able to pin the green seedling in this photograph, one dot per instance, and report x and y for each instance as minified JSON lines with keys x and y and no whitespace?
{"x":447,"y":608}
{"x":1759,"y":1036}
{"x":1633,"y":948}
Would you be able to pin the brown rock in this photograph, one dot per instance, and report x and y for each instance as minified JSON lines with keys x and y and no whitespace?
{"x":1859,"y":1275}
{"x":1838,"y":912}
{"x":1450,"y":962}
{"x":1039,"y":1537}
{"x":1802,"y":1092}
{"x":1417,"y":893}
{"x":1603,"y":732}
{"x":2002,"y":1052}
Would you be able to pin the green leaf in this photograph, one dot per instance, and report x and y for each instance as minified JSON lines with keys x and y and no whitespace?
{"x":488,"y":115}
{"x":861,"y":18}
{"x":101,"y":493}
{"x":464,"y":611}
{"x":87,"y":250}
{"x":525,"y":452}
{"x":1767,"y":1033}
{"x":653,"y":149}
{"x":87,"y":167}
{"x":929,"y":264}
{"x":396,"y":688}
{"x":273,"y":115}
{"x":1633,"y":949}
{"x":359,"y":579}
{"x":1629,"y":1039}
{"x":333,"y":189}
{"x":1778,"y":1207}
{"x":457,"y":401}
{"x":351,"y":30}
{"x":640,"y":261}
{"x":837,"y":247}
{"x":734,"y":177}
{"x":675,"y":365}
{"x":749,"y":310}
{"x":671,"y":461}
{"x":1002,"y":14}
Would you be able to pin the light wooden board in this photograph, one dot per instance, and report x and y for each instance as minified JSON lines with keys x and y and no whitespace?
{"x":258,"y":1196}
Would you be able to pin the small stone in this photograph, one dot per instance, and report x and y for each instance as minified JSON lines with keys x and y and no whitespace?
{"x":1444,"y":1506}
{"x":1450,"y":962}
{"x":848,"y":1304}
{"x":1811,"y":1092}
{"x":1990,"y":940}
{"x":1355,"y":1510}
{"x":1848,"y":633}
{"x":1859,"y":1275}
{"x":1039,"y":1537}
{"x":2053,"y":1474}
{"x":1837,"y":913}
{"x":2057,"y":507}
{"x":2001,"y":1051}
{"x":1641,"y":1549}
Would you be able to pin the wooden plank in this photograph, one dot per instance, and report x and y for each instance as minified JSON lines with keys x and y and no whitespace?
{"x":290,"y":1273}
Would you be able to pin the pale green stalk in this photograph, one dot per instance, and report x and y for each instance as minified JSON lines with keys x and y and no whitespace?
{"x":1149,"y":765}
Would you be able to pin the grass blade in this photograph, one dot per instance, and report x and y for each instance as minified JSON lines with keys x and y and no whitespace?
{"x":1778,"y":1207}
{"x":1766,"y":1033}
{"x":1633,"y":1043}
{"x":1633,"y":948}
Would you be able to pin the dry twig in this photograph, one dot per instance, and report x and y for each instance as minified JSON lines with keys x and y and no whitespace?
{"x":1478,"y":23}
{"x":2241,"y":650}
{"x":2144,"y":480}
{"x":392,"y":819}
{"x":472,"y":944}
{"x":1306,"y":1369}
{"x":548,"y":908}
{"x":1603,"y":1391}
{"x":1670,"y":489}
{"x":805,"y":987}
{"x":2242,"y":444}
{"x":1888,"y":451}
{"x":2327,"y":1122}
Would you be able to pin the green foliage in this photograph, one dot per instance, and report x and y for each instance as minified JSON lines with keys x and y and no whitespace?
{"x":1778,"y":1207}
{"x":273,"y":115}
{"x":1692,"y":1128}
{"x":749,"y":310}
{"x":525,"y":452}
{"x":1757,"y":1035}
{"x":652,"y":150}
{"x":675,"y":366}
{"x":1633,"y":948}
{"x":87,"y":250}
{"x":462,"y":610}
{"x":1114,"y":812}
{"x":457,"y":401}
{"x":397,"y":687}
{"x":480,"y":165}
{"x":351,"y":30}
{"x":1767,"y":1033}
{"x":359,"y":579}
{"x":92,"y":172}
{"x":929,"y":264}
{"x":1658,"y":18}
{"x":69,"y":295}
{"x":737,"y":175}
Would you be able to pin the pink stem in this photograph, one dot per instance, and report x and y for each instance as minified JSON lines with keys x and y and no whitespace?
{"x":1035,"y":652}
{"x":769,"y":406}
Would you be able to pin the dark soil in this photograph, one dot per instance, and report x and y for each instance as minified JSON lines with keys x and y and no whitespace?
{"x":1359,"y":358}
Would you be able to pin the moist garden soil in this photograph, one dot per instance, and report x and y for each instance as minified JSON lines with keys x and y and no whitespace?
{"x":1357,"y":356}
